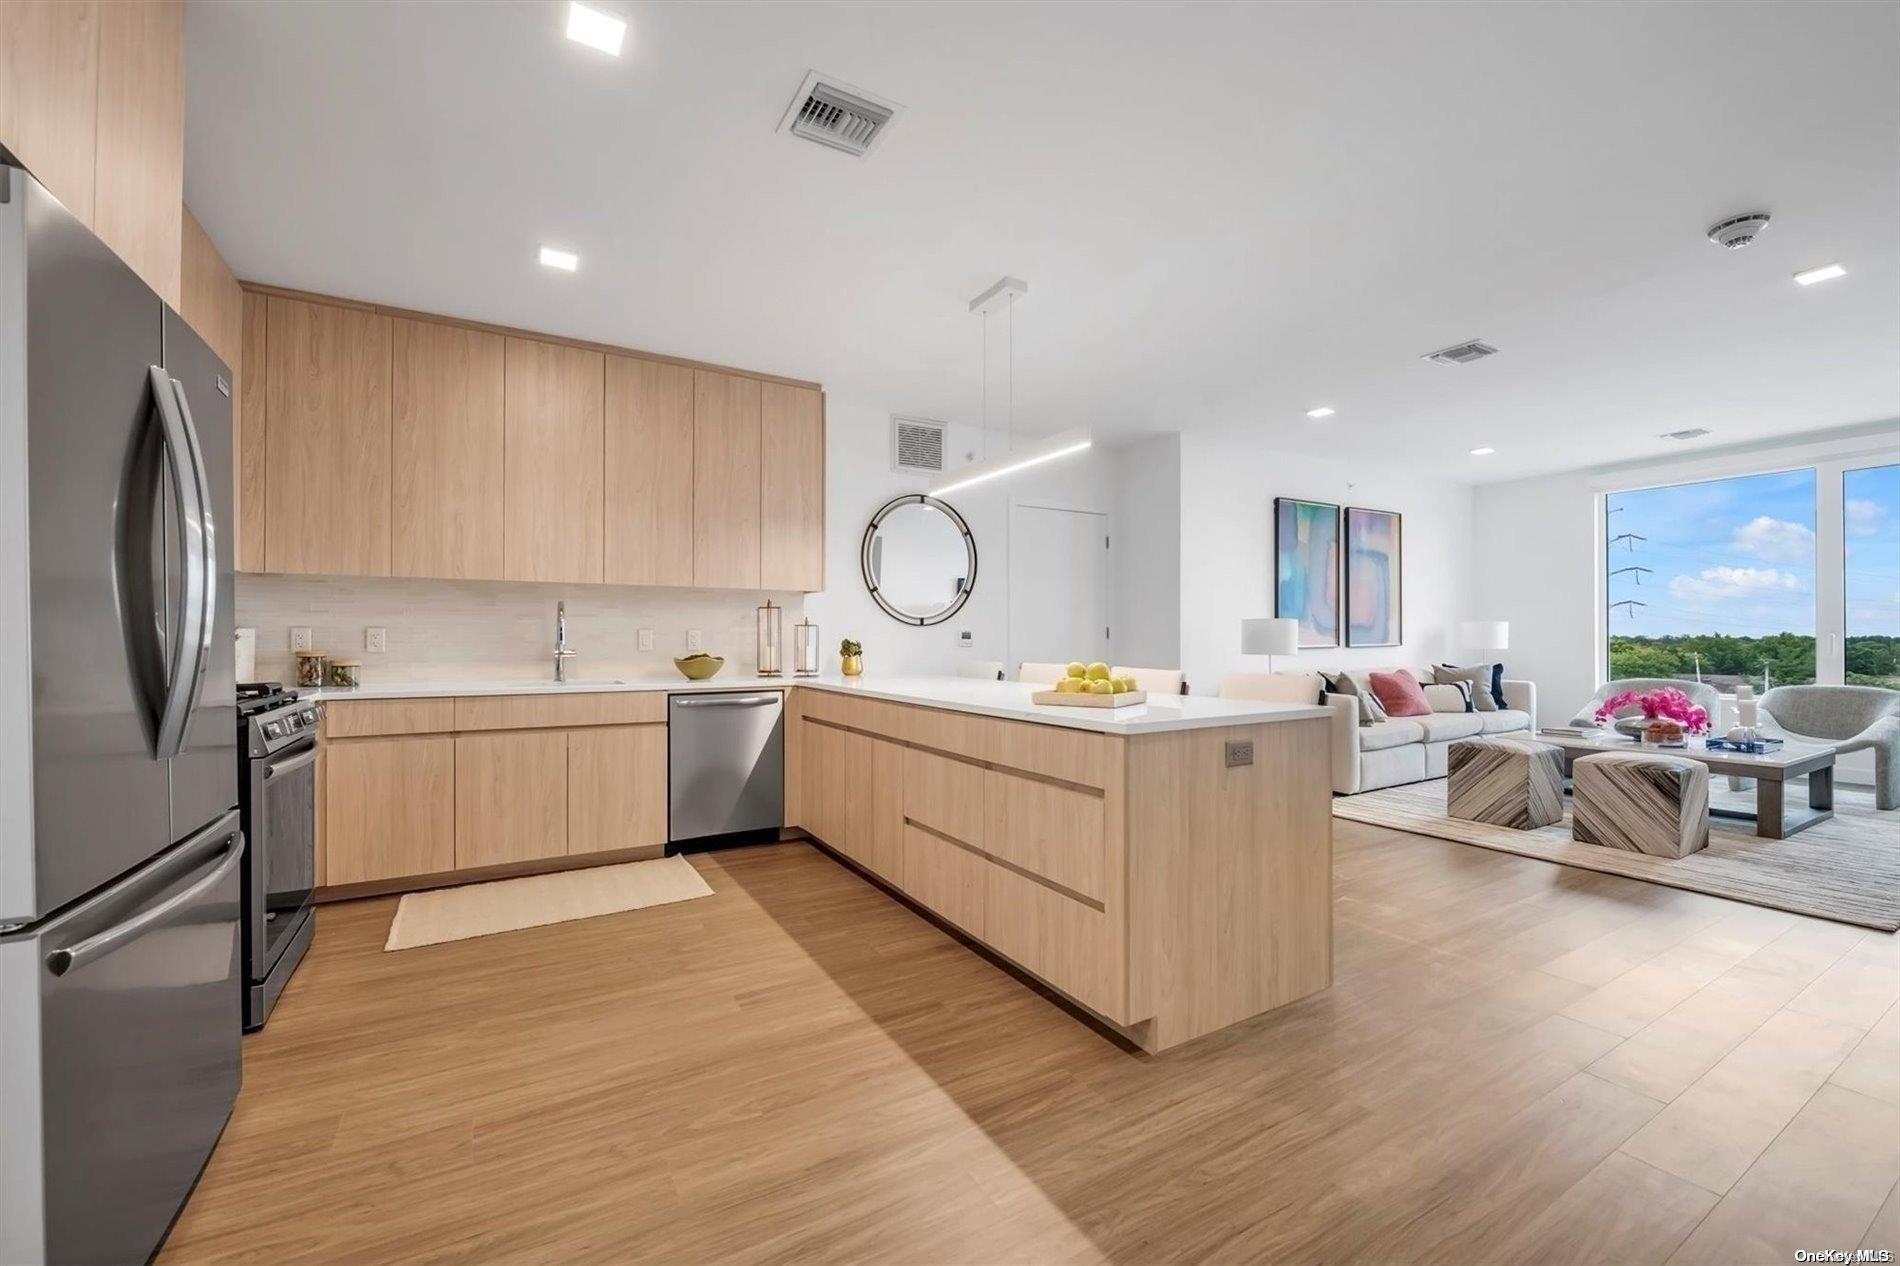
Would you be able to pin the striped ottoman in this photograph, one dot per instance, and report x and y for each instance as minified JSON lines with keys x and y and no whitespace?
{"x":1642,"y":802}
{"x":1515,"y":782}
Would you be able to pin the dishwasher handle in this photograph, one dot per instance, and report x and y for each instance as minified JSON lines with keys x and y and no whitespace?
{"x":724,"y":701}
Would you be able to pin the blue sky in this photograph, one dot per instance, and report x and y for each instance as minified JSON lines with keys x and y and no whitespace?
{"x":1737,"y":555}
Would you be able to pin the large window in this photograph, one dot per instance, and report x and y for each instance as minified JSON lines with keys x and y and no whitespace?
{"x":1870,"y":539}
{"x":1714,"y":581}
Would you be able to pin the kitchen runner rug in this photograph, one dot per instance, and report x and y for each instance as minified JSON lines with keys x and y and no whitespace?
{"x":508,"y":905}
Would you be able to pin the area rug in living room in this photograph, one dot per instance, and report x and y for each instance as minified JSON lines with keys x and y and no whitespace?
{"x":1846,"y":869}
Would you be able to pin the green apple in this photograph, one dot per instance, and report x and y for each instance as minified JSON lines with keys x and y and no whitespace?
{"x":1077,"y":670}
{"x":1098,"y":671}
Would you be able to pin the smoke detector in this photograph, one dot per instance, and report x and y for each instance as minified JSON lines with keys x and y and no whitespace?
{"x":1738,"y":230}
{"x":834,"y":114}
{"x":1462,"y":354}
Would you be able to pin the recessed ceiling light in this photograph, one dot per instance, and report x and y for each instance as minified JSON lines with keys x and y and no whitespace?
{"x":1321,"y":412}
{"x":595,"y":29}
{"x":1483,"y":450}
{"x":1827,"y":272}
{"x":566,"y":261}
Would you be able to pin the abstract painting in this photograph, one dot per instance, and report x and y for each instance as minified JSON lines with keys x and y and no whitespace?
{"x":1375,"y":578}
{"x":1306,"y":568}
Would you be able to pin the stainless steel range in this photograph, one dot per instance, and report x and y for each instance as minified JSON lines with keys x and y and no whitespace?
{"x":277,"y":798}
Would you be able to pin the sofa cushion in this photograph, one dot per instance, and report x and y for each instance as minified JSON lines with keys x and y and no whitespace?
{"x":1383,"y":734}
{"x":1442,"y":727}
{"x":1356,"y":685}
{"x":1400,"y":694}
{"x":1453,"y":696}
{"x":1503,"y":722}
{"x":1487,"y":683}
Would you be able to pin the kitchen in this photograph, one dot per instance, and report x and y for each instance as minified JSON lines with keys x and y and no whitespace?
{"x":318,"y":602}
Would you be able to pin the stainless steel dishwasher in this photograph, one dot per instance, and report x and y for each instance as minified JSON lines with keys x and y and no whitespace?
{"x":725,"y":763}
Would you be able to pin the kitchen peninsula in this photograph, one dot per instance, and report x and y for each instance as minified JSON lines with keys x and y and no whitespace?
{"x":1167,"y":867}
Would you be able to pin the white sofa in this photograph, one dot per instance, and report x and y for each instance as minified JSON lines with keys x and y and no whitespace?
{"x":1412,"y":749}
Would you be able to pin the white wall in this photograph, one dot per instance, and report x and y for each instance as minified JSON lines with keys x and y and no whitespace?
{"x":1147,"y":553}
{"x":1228,"y":482}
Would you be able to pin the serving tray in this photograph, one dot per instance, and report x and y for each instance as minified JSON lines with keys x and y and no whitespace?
{"x":1060,"y":700}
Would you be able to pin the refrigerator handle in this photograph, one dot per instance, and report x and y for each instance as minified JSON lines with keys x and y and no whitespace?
{"x":182,"y":680}
{"x":61,"y":961}
{"x":207,"y":534}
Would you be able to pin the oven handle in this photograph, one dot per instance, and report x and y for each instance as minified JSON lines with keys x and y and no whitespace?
{"x":291,"y":765}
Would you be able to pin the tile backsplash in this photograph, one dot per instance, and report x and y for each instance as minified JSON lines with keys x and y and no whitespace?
{"x":440,"y":630}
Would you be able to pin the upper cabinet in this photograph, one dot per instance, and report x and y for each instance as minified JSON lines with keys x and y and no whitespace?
{"x":249,"y":433}
{"x":327,"y":439}
{"x":92,"y":100}
{"x":725,"y":481}
{"x":553,"y":463}
{"x":446,"y":443}
{"x":791,"y":487}
{"x":649,"y":470}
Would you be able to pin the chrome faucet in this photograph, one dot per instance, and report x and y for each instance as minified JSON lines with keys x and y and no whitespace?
{"x":562,"y":651}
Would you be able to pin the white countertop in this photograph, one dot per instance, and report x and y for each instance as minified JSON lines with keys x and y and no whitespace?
{"x":1006,"y":699}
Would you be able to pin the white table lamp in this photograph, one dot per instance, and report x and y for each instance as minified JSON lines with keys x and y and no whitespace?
{"x":1485,"y":635}
{"x":1269,"y":638}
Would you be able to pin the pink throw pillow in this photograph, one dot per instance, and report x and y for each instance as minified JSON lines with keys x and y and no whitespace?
{"x":1400,"y":694}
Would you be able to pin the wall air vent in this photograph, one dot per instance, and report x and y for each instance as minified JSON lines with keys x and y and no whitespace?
{"x":838,"y":116}
{"x":916,"y":446}
{"x":1462,"y":354}
{"x":1692,"y":433}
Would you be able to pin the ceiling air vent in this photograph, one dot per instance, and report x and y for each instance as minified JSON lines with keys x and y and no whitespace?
{"x":916,"y":446}
{"x":1463,"y":354}
{"x":1693,"y":433}
{"x":834,"y":114}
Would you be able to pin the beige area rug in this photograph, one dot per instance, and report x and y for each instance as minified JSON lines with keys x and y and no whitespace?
{"x":508,"y":905}
{"x":1846,"y":869}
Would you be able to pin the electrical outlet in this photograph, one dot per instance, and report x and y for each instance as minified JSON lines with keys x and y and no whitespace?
{"x":693,"y":640}
{"x":375,"y":640}
{"x":300,"y":639}
{"x":646,"y":639}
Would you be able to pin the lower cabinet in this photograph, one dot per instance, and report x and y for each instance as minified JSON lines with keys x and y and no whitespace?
{"x":852,"y":792}
{"x":947,"y":878}
{"x":616,"y":788}
{"x":1068,"y":943}
{"x":389,"y":808}
{"x":510,"y":797}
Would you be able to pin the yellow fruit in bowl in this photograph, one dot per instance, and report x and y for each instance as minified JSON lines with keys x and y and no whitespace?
{"x":1120,"y":685}
{"x":1126,"y":684}
{"x":1098,"y":671}
{"x":1069,"y":686}
{"x":1101,"y":687}
{"x":1077,"y":670}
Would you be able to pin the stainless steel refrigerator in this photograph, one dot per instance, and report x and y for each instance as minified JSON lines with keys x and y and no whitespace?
{"x":120,"y":996}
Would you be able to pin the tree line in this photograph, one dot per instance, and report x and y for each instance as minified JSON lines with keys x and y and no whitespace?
{"x":1725,"y":660}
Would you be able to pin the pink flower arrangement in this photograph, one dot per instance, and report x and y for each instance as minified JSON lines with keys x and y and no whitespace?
{"x":1664,"y":704}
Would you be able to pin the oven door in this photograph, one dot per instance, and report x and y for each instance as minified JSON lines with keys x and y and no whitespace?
{"x":283,"y":850}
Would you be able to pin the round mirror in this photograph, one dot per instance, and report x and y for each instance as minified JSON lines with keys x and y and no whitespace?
{"x":919,"y":559}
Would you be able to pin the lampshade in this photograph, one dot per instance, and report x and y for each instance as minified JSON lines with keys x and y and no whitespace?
{"x":1269,"y":637}
{"x":1485,"y":635}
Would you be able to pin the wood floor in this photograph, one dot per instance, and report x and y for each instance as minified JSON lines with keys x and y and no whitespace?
{"x":1519,"y":1062}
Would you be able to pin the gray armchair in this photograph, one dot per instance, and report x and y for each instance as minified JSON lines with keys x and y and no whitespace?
{"x":1703,"y":696}
{"x":1846,"y":718}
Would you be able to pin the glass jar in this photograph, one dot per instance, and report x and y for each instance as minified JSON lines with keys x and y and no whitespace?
{"x":310,"y":669}
{"x":804,"y":649}
{"x":345,"y":674}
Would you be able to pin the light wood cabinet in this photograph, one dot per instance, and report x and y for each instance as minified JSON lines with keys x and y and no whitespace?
{"x":1046,"y":828}
{"x":947,"y":878}
{"x":249,"y":433}
{"x":554,"y":480}
{"x":510,"y":797}
{"x":49,"y":94}
{"x":824,"y":789}
{"x":389,"y":808}
{"x":1069,"y":943}
{"x":791,"y":487}
{"x":616,"y":789}
{"x":725,"y":481}
{"x":446,"y":443}
{"x":326,"y":457}
{"x":139,"y":162}
{"x":649,"y":473}
{"x":944,"y":794}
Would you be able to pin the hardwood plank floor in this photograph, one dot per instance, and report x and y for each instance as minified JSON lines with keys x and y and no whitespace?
{"x":1517,"y":1062}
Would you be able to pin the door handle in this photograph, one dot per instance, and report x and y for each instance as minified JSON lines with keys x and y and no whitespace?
{"x":724,"y":701}
{"x":61,"y":961}
{"x":206,"y":531}
{"x":182,"y":675}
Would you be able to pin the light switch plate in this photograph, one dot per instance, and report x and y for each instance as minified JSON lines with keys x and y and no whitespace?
{"x":693,"y":640}
{"x":300,"y":639}
{"x":375,"y":640}
{"x":646,"y":639}
{"x":965,"y":638}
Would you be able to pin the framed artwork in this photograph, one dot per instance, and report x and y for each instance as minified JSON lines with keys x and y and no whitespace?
{"x":1306,"y":568}
{"x":1375,"y":578}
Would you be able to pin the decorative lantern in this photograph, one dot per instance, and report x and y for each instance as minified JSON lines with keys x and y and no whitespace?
{"x":771,"y":639}
{"x":804,"y":649}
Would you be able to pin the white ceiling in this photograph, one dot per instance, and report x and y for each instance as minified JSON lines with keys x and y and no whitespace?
{"x":1222,"y":210}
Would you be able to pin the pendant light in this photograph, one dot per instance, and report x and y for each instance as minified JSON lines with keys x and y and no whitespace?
{"x":1002,"y":297}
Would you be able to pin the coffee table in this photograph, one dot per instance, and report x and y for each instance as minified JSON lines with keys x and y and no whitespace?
{"x":1773,"y":818}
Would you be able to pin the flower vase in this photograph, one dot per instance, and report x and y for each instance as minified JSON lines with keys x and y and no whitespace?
{"x":851,"y":665}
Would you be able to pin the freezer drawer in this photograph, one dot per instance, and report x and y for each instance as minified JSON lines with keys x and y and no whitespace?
{"x":725,"y":763}
{"x":121,"y":1046}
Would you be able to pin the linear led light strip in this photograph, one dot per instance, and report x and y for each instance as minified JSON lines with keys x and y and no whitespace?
{"x":1056,"y":446}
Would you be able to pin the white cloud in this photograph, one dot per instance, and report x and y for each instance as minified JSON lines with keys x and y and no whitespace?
{"x":1864,"y":517}
{"x":1776,"y":540}
{"x":1726,"y":583}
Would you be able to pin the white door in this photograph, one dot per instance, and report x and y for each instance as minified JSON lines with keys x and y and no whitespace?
{"x":1058,"y":585}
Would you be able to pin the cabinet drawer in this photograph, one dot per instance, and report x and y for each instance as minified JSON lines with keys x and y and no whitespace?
{"x":1073,"y":946}
{"x":537,"y":712}
{"x":1052,"y":830}
{"x":372,"y":718}
{"x":945,"y":795}
{"x":1071,"y":755}
{"x":946,"y":879}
